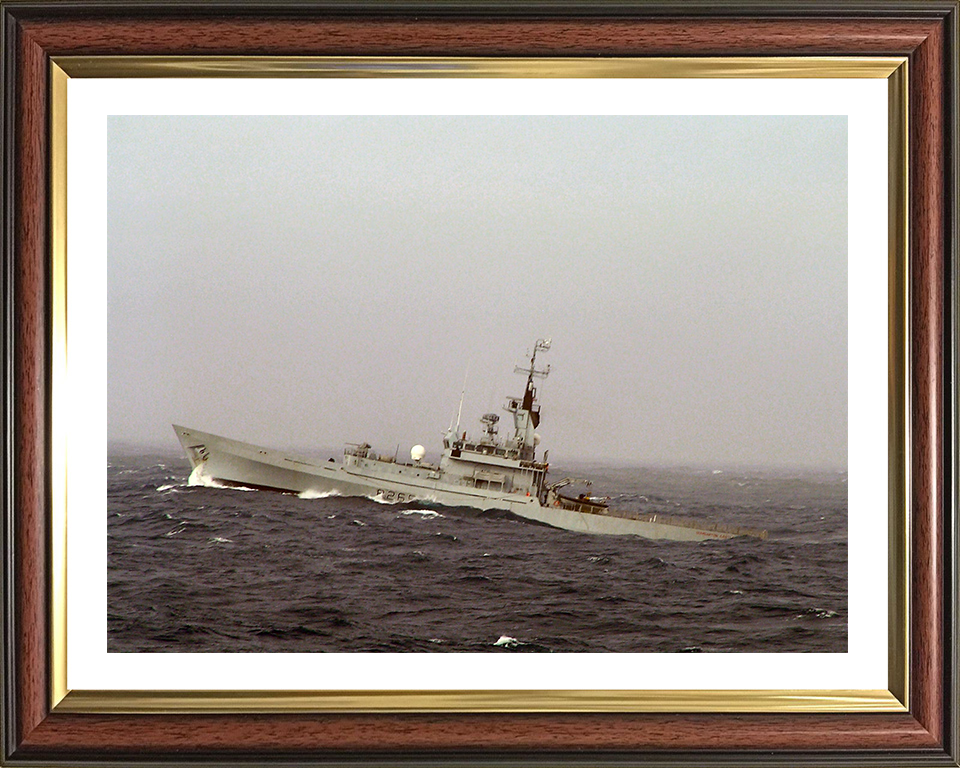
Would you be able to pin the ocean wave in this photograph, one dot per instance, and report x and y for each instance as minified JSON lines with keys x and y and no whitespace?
{"x":311,"y":494}
{"x":425,"y":513}
{"x":819,"y":613}
{"x":397,"y":585}
{"x":200,"y":478}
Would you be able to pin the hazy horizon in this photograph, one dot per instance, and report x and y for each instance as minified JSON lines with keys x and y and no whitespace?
{"x":311,"y":281}
{"x":172,"y":449}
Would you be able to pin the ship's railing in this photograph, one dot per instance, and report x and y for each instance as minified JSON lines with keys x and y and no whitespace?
{"x":682,"y":522}
{"x":577,"y":505}
{"x":486,"y":449}
{"x":360,"y":450}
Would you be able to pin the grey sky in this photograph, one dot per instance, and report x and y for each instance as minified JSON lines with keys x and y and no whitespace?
{"x":306,"y":281}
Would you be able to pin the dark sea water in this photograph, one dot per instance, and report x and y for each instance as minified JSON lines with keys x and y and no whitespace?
{"x":194,"y":569}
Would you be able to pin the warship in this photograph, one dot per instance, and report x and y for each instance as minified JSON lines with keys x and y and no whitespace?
{"x":485,"y":473}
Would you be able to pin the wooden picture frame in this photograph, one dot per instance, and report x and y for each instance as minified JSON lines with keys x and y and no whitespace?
{"x":35,"y":35}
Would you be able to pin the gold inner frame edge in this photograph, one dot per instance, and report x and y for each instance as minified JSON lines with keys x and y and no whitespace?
{"x":439,"y":701}
{"x":439,"y":67}
{"x":893,"y":69}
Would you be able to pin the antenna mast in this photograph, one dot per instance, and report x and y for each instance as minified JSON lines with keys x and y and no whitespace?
{"x":542,"y":345}
{"x":462,"y":392}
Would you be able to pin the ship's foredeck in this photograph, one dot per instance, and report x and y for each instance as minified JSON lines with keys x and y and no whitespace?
{"x":685,"y":522}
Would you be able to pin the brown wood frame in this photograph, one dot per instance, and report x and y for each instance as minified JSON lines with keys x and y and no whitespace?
{"x":925,"y":32}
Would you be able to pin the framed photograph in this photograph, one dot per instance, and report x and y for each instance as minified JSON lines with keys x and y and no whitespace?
{"x":272,"y":495}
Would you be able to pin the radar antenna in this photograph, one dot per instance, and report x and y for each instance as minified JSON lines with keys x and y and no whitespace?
{"x":489,"y":421}
{"x":542,"y":345}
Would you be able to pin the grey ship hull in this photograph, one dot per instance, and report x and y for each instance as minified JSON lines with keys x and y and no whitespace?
{"x":229,"y":462}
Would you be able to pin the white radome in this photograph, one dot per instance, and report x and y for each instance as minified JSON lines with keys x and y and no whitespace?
{"x":418,"y":452}
{"x":536,"y":438}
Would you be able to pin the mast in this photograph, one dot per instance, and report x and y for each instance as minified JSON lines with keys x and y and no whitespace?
{"x":530,"y":395}
{"x":526,"y":413}
{"x":462,"y":393}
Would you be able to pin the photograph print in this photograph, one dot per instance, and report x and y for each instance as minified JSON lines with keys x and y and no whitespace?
{"x":477,"y":383}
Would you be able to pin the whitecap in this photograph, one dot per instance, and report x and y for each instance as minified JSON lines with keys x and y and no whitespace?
{"x":506,"y":641}
{"x":175,"y":531}
{"x":422,"y":512}
{"x":199,"y":477}
{"x":219,"y":540}
{"x":312,"y":494}
{"x":359,"y":522}
{"x":734,"y":591}
{"x":165,"y":488}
